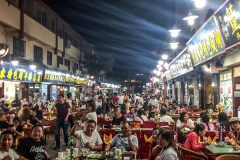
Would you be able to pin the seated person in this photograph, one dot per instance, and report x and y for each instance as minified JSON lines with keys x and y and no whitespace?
{"x":130,"y":115}
{"x":205,"y":121}
{"x":33,"y":119}
{"x":17,"y":129}
{"x":33,"y":147}
{"x":155,"y":148}
{"x":222,"y":119}
{"x":3,"y":122}
{"x":124,"y":141}
{"x":165,"y":117}
{"x":88,"y":138}
{"x":6,"y":152}
{"x":235,"y":134}
{"x":184,"y":121}
{"x":192,"y":139}
{"x":169,"y":150}
{"x":118,"y":118}
{"x":140,"y":116}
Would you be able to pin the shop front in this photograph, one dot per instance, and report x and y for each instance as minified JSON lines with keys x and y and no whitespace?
{"x":61,"y":83}
{"x":17,"y":81}
{"x":180,"y":66}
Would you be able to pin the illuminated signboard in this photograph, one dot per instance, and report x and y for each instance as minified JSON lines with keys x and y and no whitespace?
{"x":206,"y":43}
{"x":19,"y":73}
{"x":229,"y":19}
{"x":58,"y":77}
{"x":181,"y":64}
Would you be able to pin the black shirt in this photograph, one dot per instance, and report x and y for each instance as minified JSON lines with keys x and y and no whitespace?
{"x":119,"y":121}
{"x":31,"y":149}
{"x":33,"y":121}
{"x":4,"y":125}
{"x":62,"y":110}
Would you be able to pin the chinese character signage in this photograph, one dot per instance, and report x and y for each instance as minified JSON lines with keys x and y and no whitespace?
{"x":229,"y":21}
{"x":57,"y":77}
{"x":19,"y":73}
{"x":181,"y":64}
{"x":206,"y":43}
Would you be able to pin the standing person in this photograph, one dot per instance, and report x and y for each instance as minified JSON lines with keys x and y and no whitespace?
{"x":33,"y":147}
{"x":63,"y":111}
{"x":6,"y":152}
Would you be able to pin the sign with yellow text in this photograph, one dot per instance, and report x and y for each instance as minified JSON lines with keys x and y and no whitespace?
{"x":229,"y":20}
{"x":206,"y":43}
{"x":58,"y":77}
{"x":19,"y":73}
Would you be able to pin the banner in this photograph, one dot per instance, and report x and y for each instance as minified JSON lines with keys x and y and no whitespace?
{"x":19,"y":73}
{"x":229,"y":20}
{"x":181,"y":64}
{"x":206,"y":43}
{"x":58,"y":77}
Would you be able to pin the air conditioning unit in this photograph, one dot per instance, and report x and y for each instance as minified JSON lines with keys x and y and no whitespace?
{"x":62,"y":67}
{"x":78,"y":72}
{"x":68,"y":44}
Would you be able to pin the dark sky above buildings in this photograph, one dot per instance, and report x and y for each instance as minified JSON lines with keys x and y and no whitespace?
{"x":134,"y":31}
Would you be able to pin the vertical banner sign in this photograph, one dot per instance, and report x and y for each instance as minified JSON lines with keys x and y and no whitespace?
{"x":206,"y":43}
{"x":229,"y":20}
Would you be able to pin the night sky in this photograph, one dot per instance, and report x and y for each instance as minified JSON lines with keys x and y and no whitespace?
{"x":133,"y":31}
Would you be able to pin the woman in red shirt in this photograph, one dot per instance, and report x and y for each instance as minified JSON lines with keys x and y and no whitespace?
{"x":192,"y":139}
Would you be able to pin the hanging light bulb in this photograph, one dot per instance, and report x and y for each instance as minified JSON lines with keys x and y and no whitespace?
{"x":190,"y":18}
{"x":200,"y":3}
{"x":174,"y":32}
{"x":174,"y":45}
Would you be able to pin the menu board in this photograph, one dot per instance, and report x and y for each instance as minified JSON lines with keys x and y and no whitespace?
{"x":229,"y":20}
{"x":181,"y":64}
{"x":206,"y":43}
{"x":19,"y":73}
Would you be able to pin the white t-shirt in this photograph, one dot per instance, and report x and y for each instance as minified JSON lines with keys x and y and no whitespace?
{"x":10,"y":153}
{"x":82,"y":139}
{"x":167,"y":118}
{"x":189,"y":123}
{"x":92,"y":115}
{"x":120,"y":99}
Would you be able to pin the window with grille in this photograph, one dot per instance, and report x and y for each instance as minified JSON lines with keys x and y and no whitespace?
{"x":67,"y":63}
{"x":19,"y":47}
{"x":38,"y":54}
{"x":59,"y":61}
{"x":49,"y":58}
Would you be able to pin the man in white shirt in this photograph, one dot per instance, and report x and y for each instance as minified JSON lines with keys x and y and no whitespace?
{"x":165,"y":117}
{"x":88,"y":138}
{"x":120,"y":99}
{"x":153,"y":101}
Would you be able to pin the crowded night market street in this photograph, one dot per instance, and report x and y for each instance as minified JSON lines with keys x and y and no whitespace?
{"x":120,"y":80}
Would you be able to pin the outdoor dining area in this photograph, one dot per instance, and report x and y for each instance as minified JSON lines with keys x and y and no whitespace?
{"x":219,"y":142}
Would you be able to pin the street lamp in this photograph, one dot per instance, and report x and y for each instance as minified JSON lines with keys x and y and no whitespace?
{"x":190,"y":18}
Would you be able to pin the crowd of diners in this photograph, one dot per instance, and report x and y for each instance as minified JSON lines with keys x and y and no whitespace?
{"x":120,"y":109}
